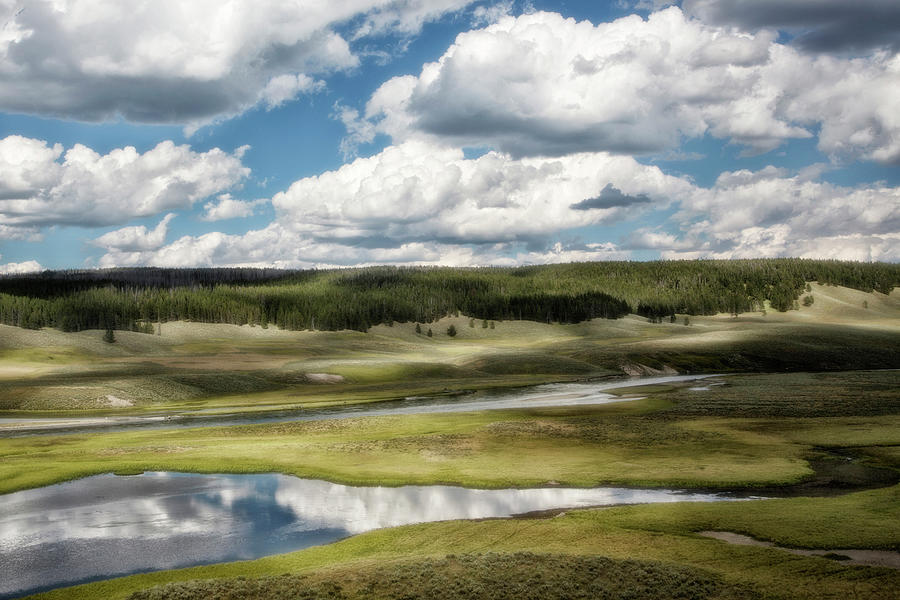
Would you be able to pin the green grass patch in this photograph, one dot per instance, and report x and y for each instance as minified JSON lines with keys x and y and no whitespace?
{"x":514,"y":576}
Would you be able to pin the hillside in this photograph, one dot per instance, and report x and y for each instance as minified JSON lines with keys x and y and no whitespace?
{"x":132,"y":299}
{"x":218,"y":364}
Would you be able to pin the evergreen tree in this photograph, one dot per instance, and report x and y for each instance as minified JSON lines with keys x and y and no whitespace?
{"x":109,"y":337}
{"x":418,"y":328}
{"x":360,"y":298}
{"x":451,"y":331}
{"x":429,"y":332}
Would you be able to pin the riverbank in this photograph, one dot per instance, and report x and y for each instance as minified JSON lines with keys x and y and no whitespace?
{"x":594,"y":392}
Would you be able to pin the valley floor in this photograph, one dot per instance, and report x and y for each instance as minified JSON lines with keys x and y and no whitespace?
{"x":824,"y":432}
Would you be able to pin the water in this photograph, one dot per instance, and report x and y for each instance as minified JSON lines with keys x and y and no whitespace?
{"x":540,"y":396}
{"x":103,"y":526}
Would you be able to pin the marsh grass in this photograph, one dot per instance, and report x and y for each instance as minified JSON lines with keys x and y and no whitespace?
{"x":513,"y":576}
{"x":673,"y":438}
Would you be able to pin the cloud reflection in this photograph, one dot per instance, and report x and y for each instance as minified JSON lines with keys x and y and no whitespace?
{"x":107,"y":525}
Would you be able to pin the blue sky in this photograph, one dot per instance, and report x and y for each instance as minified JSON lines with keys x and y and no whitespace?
{"x":321,"y":134}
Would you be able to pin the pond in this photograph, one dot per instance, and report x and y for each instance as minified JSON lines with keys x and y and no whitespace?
{"x":103,"y":526}
{"x":540,"y":396}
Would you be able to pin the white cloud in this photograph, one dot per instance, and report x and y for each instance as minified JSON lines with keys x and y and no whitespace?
{"x":654,"y":239}
{"x":405,"y":17}
{"x":541,"y":84}
{"x":422,"y":204}
{"x":11,"y":232}
{"x":171,"y":61}
{"x":491,"y":13}
{"x":359,"y":131}
{"x":280,"y":247}
{"x":26,"y":165}
{"x":90,"y":189}
{"x":417,"y":191}
{"x":136,"y":238}
{"x":229,"y":208}
{"x":285,"y":88}
{"x":766,"y":213}
{"x":417,"y":203}
{"x":28,"y":266}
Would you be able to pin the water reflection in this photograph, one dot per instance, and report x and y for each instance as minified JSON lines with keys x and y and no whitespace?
{"x":106,"y":525}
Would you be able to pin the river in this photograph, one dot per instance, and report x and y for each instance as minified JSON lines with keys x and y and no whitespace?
{"x":540,"y":396}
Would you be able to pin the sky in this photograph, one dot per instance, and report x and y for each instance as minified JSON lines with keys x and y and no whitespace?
{"x":336,"y":133}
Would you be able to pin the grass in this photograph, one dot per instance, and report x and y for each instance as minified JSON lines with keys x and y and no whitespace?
{"x":194,"y":365}
{"x":580,"y":447}
{"x":663,"y":440}
{"x":514,"y":576}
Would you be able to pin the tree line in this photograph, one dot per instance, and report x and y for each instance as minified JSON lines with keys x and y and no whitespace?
{"x":362,"y":297}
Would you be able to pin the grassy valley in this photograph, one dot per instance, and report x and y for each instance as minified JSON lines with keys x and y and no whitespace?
{"x":804,"y":406}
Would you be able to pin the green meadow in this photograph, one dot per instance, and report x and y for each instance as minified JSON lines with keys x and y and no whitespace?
{"x":789,"y":413}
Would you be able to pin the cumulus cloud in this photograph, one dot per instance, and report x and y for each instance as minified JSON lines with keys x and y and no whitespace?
{"x":28,"y":266}
{"x":416,"y":191}
{"x":541,"y":84}
{"x":819,"y":25}
{"x":422,"y":204}
{"x":135,"y":238}
{"x":281,"y":247}
{"x":227,"y":207}
{"x":170,"y":61}
{"x":766,"y":213}
{"x":42,"y":185}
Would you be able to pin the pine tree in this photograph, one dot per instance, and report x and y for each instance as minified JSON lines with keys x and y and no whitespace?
{"x":109,"y":337}
{"x":451,"y":331}
{"x":429,"y":332}
{"x":418,"y":328}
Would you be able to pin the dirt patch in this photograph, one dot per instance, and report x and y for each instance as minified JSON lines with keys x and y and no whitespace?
{"x":324,"y":378}
{"x":116,"y":402}
{"x":850,"y":556}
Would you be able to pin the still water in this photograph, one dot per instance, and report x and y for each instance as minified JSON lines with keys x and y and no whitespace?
{"x":103,"y":526}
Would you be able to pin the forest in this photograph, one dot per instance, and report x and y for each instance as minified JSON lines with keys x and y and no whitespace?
{"x":360,"y":298}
